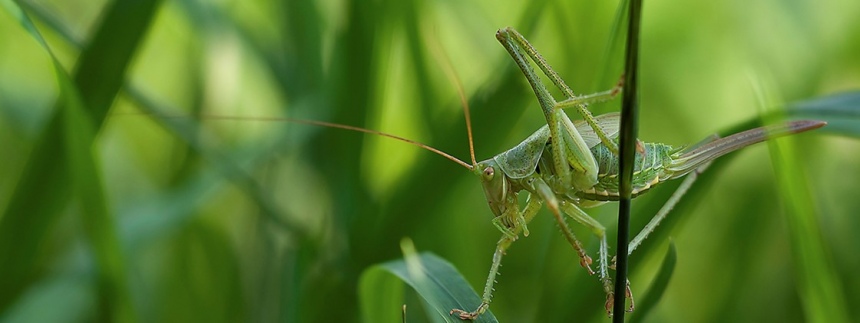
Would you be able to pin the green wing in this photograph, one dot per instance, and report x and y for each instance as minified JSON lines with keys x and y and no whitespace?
{"x":609,"y":122}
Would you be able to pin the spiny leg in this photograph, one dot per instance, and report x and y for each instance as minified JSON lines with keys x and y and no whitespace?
{"x":570,"y":152}
{"x":670,"y":204}
{"x":651,"y":226}
{"x":603,"y":259}
{"x":672,"y":201}
{"x":579,"y":101}
{"x":541,"y":188}
{"x":531,"y":209}
{"x":512,"y":218}
{"x":508,"y":36}
{"x":547,"y":103}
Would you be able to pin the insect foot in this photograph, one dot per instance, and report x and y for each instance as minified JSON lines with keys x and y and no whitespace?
{"x":628,"y":294}
{"x":469,"y":315}
{"x":610,"y":300}
{"x":610,"y":303}
{"x":584,"y":260}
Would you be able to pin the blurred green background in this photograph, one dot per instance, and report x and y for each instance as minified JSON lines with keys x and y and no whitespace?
{"x":263,"y":221}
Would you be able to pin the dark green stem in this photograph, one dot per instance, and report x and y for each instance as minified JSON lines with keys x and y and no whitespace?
{"x":629,"y":116}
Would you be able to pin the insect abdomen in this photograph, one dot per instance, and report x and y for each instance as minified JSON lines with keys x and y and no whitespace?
{"x":648,"y":171}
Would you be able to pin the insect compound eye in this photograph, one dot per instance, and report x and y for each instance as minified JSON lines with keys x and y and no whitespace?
{"x":488,"y":173}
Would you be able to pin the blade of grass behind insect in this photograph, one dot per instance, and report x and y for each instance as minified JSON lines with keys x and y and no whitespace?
{"x":79,"y":134}
{"x":296,"y":67}
{"x":649,"y":300}
{"x":43,"y":190}
{"x":70,"y":298}
{"x":205,"y":256}
{"x":354,"y":77}
{"x":429,"y":103}
{"x":841,"y":111}
{"x":818,"y":284}
{"x":627,"y":153}
{"x":86,"y":181}
{"x":613,"y":44}
{"x":189,"y":132}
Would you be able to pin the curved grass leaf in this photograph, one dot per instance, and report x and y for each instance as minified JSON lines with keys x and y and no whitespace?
{"x":437,"y":282}
{"x":841,"y":111}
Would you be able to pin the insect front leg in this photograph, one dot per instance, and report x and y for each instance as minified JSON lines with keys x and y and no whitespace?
{"x":511,"y":218}
{"x":532,"y":207}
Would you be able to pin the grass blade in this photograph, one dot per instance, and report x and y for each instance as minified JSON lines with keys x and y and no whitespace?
{"x":626,"y":147}
{"x":62,"y":157}
{"x":650,"y":299}
{"x":819,"y":287}
{"x":434,"y":279}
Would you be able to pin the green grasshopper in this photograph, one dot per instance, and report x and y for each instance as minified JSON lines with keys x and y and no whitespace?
{"x":573,"y":165}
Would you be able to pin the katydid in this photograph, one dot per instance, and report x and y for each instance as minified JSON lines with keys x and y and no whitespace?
{"x":570,"y":165}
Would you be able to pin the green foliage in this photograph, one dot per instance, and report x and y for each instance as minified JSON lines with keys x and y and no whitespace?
{"x":438,"y":283}
{"x":123,"y":199}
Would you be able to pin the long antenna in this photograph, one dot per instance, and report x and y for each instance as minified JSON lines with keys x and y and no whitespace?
{"x":452,"y":75}
{"x":317,"y":123}
{"x":339,"y":126}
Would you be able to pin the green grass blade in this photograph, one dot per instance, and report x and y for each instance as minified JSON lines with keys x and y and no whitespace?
{"x":79,"y":133}
{"x":44,"y":188}
{"x":646,"y":303}
{"x":70,"y":298}
{"x":434,"y":279}
{"x":841,"y":111}
{"x":626,"y":153}
{"x":819,"y":287}
{"x":34,"y":204}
